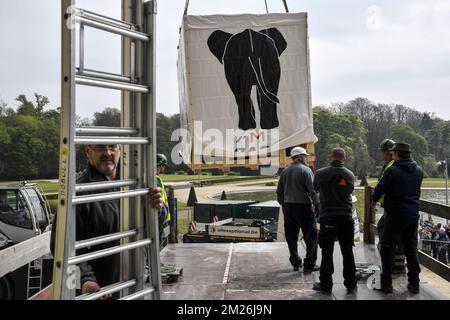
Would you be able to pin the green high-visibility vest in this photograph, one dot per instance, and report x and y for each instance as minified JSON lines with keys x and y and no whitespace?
{"x":386,"y":166}
{"x":160,"y":184}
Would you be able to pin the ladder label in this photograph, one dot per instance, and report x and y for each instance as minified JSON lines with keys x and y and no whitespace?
{"x":73,"y":278}
{"x":63,"y":176}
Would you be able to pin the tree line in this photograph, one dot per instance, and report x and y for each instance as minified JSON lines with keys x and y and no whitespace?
{"x":360,"y":125}
{"x":29,"y":136}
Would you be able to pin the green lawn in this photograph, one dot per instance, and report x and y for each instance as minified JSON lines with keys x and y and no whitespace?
{"x":52,"y":187}
{"x":427,"y":183}
{"x":182,"y":205}
{"x":182,"y":178}
{"x":183,"y":225}
{"x":360,"y":205}
{"x":48,"y":187}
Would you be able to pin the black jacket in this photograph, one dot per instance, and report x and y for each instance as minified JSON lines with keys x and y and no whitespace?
{"x":93,"y":220}
{"x":335,"y":185}
{"x":400,"y":186}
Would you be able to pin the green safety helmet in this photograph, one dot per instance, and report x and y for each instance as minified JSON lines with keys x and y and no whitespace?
{"x":161,"y":159}
{"x":387,"y":144}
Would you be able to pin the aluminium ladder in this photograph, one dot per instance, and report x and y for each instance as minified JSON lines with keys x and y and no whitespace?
{"x":139,"y":223}
{"x":34,"y":279}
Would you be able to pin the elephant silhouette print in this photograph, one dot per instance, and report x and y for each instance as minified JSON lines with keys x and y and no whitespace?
{"x":251,"y":58}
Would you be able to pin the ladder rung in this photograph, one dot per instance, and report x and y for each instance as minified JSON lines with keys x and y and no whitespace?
{"x":94,"y":23}
{"x":103,"y":239}
{"x":105,"y":19}
{"x":107,"y":290}
{"x":103,"y":75}
{"x":111,"y":140}
{"x":85,"y":187}
{"x":99,"y":131}
{"x":108,"y":251}
{"x":109,"y":196}
{"x":139,"y":294}
{"x":110,"y":84}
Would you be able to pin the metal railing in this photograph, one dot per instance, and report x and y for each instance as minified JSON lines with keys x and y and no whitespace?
{"x":439,"y":250}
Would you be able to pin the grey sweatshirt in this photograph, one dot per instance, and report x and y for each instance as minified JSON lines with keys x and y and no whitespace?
{"x":296,"y":185}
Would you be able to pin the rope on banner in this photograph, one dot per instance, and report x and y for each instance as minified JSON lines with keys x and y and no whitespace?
{"x":186,"y":7}
{"x":286,"y":6}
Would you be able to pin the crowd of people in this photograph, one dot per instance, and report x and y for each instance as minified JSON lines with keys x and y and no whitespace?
{"x":435,"y":240}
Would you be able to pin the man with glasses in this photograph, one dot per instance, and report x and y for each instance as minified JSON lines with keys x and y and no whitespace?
{"x":101,"y":218}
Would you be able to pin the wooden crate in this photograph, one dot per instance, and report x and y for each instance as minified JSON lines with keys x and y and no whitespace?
{"x":283,"y":158}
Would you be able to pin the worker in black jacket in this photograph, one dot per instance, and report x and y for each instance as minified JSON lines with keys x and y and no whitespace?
{"x":335,"y":185}
{"x":100,"y":218}
{"x":399,"y":256}
{"x":400,"y":186}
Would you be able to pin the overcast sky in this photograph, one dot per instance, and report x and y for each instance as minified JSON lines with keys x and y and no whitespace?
{"x":387,"y":51}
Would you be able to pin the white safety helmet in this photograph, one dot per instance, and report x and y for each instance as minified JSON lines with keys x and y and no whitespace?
{"x":298,"y":151}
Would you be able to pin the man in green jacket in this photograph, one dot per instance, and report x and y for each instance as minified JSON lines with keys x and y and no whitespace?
{"x":165,"y":216}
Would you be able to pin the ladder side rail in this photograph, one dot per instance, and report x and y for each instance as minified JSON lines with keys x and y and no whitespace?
{"x":65,"y":229}
{"x":128,"y":161}
{"x":135,"y":261}
{"x":29,"y":279}
{"x":150,"y":109}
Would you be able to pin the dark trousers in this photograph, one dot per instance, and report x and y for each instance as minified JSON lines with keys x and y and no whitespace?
{"x":298,"y":216}
{"x":404,"y":231}
{"x":342,"y":228}
{"x":399,"y":253}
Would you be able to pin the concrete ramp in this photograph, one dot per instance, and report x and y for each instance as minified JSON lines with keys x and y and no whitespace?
{"x":261,"y":271}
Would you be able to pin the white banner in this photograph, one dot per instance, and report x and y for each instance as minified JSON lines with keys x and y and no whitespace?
{"x":249,"y":74}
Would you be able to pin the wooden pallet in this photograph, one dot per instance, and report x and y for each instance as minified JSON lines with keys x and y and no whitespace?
{"x":283,"y":158}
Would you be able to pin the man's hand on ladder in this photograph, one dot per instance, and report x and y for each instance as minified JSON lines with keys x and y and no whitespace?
{"x":92,"y":287}
{"x":156,"y":200}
